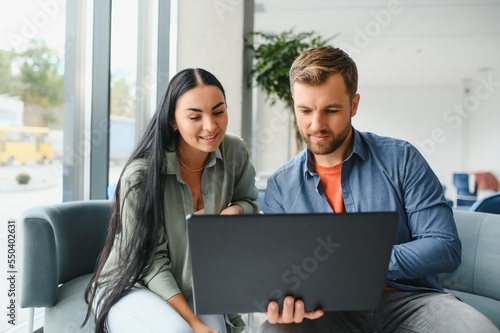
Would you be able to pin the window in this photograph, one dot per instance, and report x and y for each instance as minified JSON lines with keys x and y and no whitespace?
{"x":32,"y":54}
{"x":52,"y":94}
{"x":133,"y":78}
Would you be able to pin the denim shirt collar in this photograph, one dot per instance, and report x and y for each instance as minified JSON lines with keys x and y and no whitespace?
{"x":358,"y":148}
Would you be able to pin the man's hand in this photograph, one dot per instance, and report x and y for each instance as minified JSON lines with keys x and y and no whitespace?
{"x":293,"y":312}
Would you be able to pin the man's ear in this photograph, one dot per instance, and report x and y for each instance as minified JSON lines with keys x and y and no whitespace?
{"x":354,"y":105}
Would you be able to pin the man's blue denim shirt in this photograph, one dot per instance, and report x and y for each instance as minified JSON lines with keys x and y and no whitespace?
{"x":382,"y":174}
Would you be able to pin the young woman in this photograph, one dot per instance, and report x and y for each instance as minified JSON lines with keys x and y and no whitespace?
{"x":184,"y":163}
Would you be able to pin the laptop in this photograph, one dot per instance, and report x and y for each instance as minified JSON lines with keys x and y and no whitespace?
{"x":334,"y":262}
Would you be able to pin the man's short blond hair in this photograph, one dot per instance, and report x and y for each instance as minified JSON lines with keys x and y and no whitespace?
{"x":314,"y":66}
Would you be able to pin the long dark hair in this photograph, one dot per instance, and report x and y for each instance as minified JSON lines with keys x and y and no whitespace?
{"x":137,"y":256}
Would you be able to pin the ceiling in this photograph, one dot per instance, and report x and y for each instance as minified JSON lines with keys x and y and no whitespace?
{"x":440,"y":42}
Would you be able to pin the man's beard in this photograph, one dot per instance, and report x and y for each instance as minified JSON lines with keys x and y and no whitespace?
{"x":328,"y":147}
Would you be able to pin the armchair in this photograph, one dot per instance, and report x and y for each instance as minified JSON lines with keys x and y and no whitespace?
{"x":464,"y":196}
{"x":489,"y":204}
{"x":60,"y":245}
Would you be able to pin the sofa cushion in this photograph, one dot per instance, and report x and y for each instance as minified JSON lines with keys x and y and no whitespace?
{"x":70,"y":309}
{"x":487,"y":306}
{"x":479,"y":272}
{"x":477,"y":278}
{"x":487,"y":267}
{"x":462,"y":278}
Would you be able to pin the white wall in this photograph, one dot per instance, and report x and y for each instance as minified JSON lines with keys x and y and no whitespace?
{"x":416,"y":114}
{"x":411,"y":74}
{"x":211,"y":36}
{"x":273,"y":140}
{"x":455,"y":131}
{"x":434,"y":117}
{"x":482,"y":130}
{"x":429,"y":117}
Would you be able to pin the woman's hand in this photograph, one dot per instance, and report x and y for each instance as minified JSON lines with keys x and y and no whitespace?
{"x":200,"y":327}
{"x":179,"y":303}
{"x":232,"y":210}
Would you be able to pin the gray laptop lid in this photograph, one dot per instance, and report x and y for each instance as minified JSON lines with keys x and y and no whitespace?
{"x":334,"y":262}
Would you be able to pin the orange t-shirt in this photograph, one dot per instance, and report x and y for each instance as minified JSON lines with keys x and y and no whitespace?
{"x":330,"y":179}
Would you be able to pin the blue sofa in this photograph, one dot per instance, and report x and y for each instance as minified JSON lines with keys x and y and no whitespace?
{"x":62,"y":242}
{"x":477,"y":279}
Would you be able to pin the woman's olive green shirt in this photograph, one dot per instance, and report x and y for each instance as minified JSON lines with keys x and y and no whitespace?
{"x":228,"y":179}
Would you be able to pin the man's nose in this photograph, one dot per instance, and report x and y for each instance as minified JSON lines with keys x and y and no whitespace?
{"x":317,"y":121}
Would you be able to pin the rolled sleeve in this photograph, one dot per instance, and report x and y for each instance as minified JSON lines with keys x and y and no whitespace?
{"x":435,"y":246}
{"x":159,"y":278}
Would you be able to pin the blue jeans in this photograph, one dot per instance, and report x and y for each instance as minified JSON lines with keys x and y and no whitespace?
{"x":401,"y":312}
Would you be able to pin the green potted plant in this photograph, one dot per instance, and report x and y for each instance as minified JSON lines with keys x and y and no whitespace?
{"x":273,"y":56}
{"x":23,"y":178}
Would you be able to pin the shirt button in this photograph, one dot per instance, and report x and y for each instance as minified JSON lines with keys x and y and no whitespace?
{"x":205,"y":191}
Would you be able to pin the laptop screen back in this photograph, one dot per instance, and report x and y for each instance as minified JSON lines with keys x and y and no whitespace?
{"x":334,"y":262}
